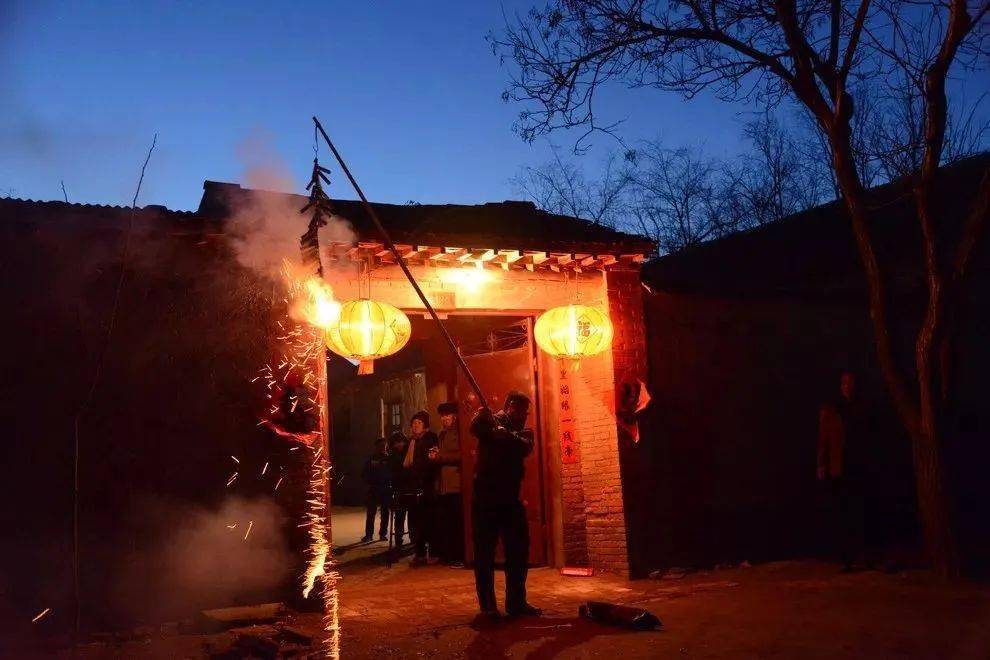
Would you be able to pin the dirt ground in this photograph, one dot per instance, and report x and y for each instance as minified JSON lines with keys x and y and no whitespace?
{"x":777,"y":610}
{"x":781,"y":610}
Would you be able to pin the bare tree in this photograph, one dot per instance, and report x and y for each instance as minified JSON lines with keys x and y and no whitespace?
{"x":783,"y":174}
{"x":889,"y":137}
{"x":812,"y":53}
{"x":678,"y":197}
{"x":560,"y":186}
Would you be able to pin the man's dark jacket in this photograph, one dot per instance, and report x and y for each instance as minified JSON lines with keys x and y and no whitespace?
{"x":501,"y":453}
{"x":377,"y":474}
{"x":424,"y":473}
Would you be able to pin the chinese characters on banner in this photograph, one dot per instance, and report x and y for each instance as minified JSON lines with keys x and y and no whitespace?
{"x":565,"y":415}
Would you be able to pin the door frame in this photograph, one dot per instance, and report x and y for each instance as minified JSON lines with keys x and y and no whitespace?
{"x":541,"y":433}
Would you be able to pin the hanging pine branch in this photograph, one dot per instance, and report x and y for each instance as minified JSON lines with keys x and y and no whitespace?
{"x":319,"y":203}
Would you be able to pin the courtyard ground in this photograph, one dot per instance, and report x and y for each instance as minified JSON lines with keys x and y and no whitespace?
{"x":800,"y":609}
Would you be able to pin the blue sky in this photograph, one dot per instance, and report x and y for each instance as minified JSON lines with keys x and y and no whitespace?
{"x":409,"y":91}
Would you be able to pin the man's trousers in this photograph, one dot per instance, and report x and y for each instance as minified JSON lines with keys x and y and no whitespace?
{"x":492,"y":520}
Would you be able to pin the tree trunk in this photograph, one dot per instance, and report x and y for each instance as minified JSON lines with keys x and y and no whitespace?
{"x":933,"y":503}
{"x":917,"y":412}
{"x":854,"y":197}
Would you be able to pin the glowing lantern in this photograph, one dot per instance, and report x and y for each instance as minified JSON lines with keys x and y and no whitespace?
{"x":573,"y":331}
{"x":367,"y":330}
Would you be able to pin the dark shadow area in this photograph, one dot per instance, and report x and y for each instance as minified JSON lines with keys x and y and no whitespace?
{"x":161,"y":534}
{"x":495,"y":639}
{"x":747,"y":336}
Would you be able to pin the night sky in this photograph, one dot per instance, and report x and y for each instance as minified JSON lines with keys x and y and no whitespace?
{"x":409,"y":91}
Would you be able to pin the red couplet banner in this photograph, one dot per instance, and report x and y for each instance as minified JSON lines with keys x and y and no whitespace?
{"x":565,"y":415}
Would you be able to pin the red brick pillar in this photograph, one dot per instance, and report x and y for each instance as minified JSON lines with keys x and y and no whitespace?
{"x":629,"y":365}
{"x":599,"y":460}
{"x":625,"y":308}
{"x":594,"y":511}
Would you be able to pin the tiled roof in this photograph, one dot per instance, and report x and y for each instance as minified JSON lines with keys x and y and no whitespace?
{"x":12,"y":207}
{"x":500,"y":225}
{"x":509,"y":225}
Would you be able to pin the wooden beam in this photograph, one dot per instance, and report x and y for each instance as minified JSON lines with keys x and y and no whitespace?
{"x":507,"y":259}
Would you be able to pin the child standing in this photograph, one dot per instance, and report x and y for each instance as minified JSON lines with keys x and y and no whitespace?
{"x":378,"y":475}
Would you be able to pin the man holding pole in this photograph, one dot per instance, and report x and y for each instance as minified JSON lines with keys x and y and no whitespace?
{"x":501,"y":451}
{"x":503,"y":445}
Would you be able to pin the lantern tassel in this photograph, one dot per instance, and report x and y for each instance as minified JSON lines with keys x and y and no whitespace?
{"x":366,"y":367}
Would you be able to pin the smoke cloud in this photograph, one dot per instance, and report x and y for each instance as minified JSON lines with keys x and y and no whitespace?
{"x":210,"y":558}
{"x":266,"y":224}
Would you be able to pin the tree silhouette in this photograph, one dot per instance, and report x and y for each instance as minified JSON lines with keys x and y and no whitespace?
{"x":812,"y":53}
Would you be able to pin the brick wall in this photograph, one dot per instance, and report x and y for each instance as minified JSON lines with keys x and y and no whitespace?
{"x":629,"y":364}
{"x":599,"y":461}
{"x":574,"y":518}
{"x":595,"y":518}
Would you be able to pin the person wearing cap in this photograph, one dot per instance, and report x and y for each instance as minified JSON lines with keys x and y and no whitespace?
{"x":449,"y":521}
{"x":497,"y":512}
{"x":421,"y":469}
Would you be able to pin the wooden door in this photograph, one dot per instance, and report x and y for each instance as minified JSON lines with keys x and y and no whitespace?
{"x":505,"y":365}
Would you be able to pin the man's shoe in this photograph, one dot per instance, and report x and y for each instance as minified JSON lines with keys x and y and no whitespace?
{"x":418,"y":561}
{"x":383,"y":537}
{"x":489,"y":615}
{"x":524,"y":610}
{"x":366,"y":538}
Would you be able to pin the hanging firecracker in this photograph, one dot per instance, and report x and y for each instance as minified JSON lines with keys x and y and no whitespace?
{"x":367,"y":330}
{"x":573,"y":331}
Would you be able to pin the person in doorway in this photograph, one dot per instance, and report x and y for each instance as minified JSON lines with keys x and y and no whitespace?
{"x":449,"y":521}
{"x":497,"y":512}
{"x":402,"y":489}
{"x":377,"y":474}
{"x":842,"y":444}
{"x":421,"y":470}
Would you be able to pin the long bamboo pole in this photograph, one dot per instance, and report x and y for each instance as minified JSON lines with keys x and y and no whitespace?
{"x":402,"y":264}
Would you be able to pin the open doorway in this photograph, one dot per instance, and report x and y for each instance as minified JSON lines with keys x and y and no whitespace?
{"x":500,"y":352}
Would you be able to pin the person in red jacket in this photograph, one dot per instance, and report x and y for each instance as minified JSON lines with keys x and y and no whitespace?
{"x":843,"y":433}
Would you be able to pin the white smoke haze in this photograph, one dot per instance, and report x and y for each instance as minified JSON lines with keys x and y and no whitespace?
{"x":210,"y":554}
{"x":205,"y":560}
{"x":266,"y":228}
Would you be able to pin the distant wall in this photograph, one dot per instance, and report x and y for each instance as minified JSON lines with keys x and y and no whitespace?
{"x":174,"y":402}
{"x":738,"y":374}
{"x":731,"y":431}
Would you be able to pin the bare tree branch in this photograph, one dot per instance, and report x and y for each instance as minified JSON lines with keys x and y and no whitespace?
{"x":896,"y":55}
